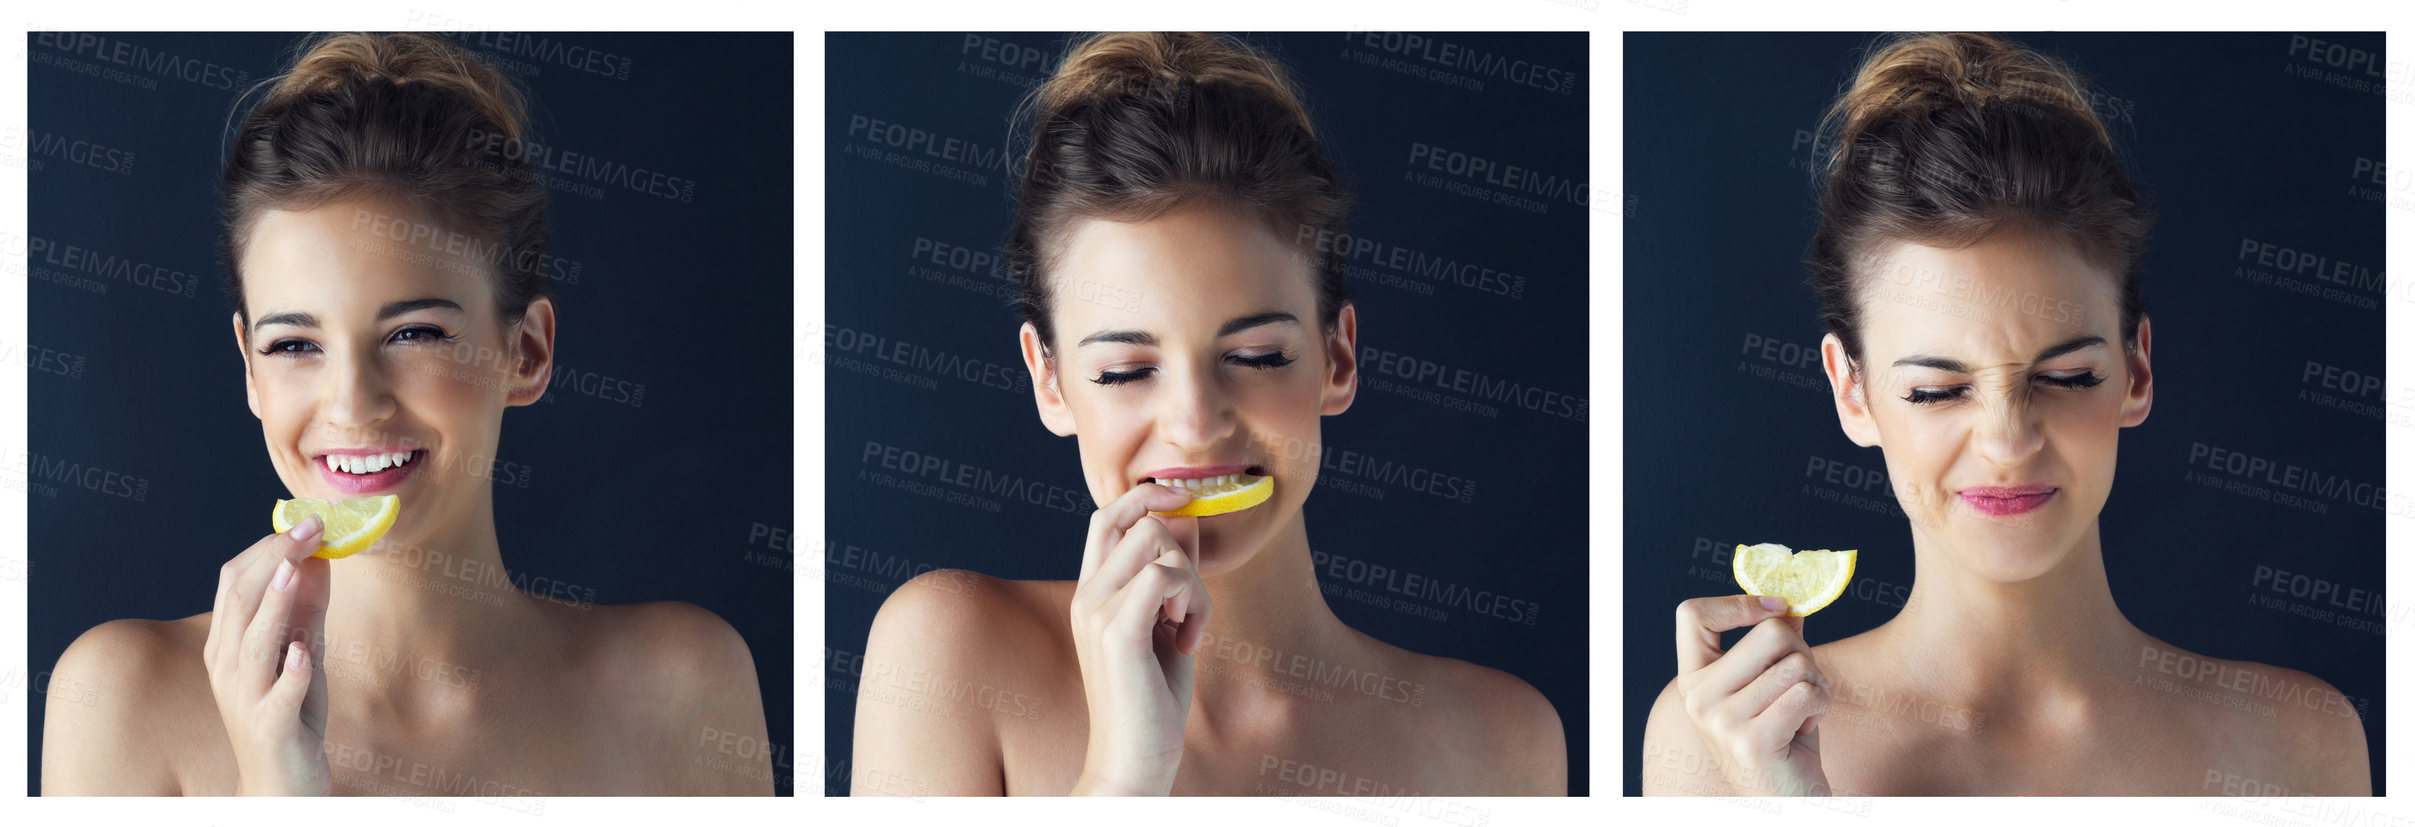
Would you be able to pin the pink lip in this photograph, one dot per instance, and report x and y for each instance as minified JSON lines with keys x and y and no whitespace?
{"x":1189,"y":472}
{"x":1999,"y":501}
{"x":363,"y":484}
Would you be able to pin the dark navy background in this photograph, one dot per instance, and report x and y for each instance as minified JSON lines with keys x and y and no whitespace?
{"x":921,"y":352}
{"x":656,"y":467}
{"x":1728,"y":442}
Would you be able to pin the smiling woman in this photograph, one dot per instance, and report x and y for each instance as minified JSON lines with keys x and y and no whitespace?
{"x":389,"y":308}
{"x":1177,"y":328}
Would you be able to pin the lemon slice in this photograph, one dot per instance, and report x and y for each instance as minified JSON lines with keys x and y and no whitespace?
{"x":1228,"y":494}
{"x":350,"y":526}
{"x":1807,"y":580}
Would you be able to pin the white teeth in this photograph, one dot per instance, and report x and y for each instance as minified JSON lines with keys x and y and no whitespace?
{"x":333,"y":462}
{"x":396,"y":459}
{"x":356,"y":465}
{"x":376,"y":462}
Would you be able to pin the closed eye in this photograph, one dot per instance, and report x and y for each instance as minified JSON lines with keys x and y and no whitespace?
{"x":1268,"y":361}
{"x":2075,"y":381}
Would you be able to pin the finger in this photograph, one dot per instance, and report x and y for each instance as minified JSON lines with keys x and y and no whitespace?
{"x":222,"y":625}
{"x":1135,"y":618}
{"x":1776,"y":726}
{"x":1700,"y":620}
{"x":1196,"y":611}
{"x":1770,"y":640}
{"x":1755,"y":697}
{"x":264,"y":641}
{"x":1185,"y":531}
{"x":1108,"y":524}
{"x":240,"y":599}
{"x":1141,"y":546}
{"x":292,"y":687}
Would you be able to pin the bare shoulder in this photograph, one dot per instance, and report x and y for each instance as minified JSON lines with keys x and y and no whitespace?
{"x":949,"y":628}
{"x":667,"y":650}
{"x":125,"y":706}
{"x":954,"y":619}
{"x":1520,"y":743}
{"x":2273,"y":725}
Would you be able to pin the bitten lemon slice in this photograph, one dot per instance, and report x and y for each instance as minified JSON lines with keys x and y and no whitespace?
{"x":1221,"y":495}
{"x":1807,"y":580}
{"x":350,"y":526}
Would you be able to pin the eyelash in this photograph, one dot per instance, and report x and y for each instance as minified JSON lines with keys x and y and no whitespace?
{"x":2081,"y":381}
{"x":277,"y":348}
{"x":1267,"y":362}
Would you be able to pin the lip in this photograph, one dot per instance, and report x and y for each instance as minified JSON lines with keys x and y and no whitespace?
{"x":2002,"y":501}
{"x":365,"y":484}
{"x":1191,"y":472}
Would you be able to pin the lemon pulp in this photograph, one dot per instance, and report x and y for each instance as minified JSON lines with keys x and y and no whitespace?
{"x":1240,"y":492}
{"x":1807,"y":580}
{"x":347,"y":526}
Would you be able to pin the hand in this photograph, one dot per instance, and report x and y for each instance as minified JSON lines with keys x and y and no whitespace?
{"x":1758,"y":707}
{"x":1139,"y":612}
{"x":263,"y":656}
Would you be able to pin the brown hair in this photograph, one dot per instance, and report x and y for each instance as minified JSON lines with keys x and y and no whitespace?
{"x":1135,"y":124}
{"x":1945,"y":139}
{"x":410,"y":116}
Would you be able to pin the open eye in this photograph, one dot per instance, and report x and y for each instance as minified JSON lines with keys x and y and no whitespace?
{"x":289,"y":347}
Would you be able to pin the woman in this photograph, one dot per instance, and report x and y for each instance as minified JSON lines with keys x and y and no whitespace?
{"x":1177,"y":324}
{"x":383,"y":241}
{"x":1978,"y":264}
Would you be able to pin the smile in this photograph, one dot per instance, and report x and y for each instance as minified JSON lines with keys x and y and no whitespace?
{"x":368,"y":472}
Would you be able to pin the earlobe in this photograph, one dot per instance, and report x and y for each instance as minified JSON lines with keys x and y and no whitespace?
{"x":243,"y":351}
{"x":1341,"y":350}
{"x":1847,"y":388}
{"x":531,"y":342}
{"x":2139,"y":398}
{"x":1045,"y":392}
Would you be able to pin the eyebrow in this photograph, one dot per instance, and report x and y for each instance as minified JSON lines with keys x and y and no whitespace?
{"x":1146,"y":339}
{"x":391,"y":310}
{"x":1945,"y":364}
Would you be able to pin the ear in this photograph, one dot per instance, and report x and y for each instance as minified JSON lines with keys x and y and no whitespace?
{"x":243,"y":351}
{"x":531,"y":346}
{"x":2140,"y":396}
{"x":1341,"y":351}
{"x":1054,"y":413}
{"x":1852,"y":397}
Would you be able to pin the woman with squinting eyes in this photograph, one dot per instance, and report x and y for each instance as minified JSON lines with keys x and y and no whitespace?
{"x":1978,"y":265}
{"x":390,"y":305}
{"x":1179,"y":330}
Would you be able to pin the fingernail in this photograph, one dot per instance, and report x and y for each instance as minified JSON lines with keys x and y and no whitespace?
{"x":293,"y":655}
{"x":306,"y":529}
{"x":284,"y":575}
{"x":1773,"y":603}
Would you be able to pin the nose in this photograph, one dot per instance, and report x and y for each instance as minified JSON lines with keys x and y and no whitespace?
{"x":2007,"y":433}
{"x":357,"y":394}
{"x":1196,"y":413}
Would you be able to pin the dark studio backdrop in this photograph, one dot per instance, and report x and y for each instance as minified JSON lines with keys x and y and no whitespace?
{"x":2262,"y":280}
{"x":654,"y":468}
{"x":1467,"y":279}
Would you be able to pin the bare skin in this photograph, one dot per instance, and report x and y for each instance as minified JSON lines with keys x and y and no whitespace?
{"x":2010,"y":670}
{"x":439,"y":675}
{"x":977,"y":686}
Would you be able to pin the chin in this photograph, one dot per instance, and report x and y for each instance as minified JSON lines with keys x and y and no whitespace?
{"x":2011,"y":555}
{"x":1229,"y":541}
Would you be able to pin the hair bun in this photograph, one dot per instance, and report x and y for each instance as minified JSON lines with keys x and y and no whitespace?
{"x":349,"y":61}
{"x":1159,"y":65}
{"x":1921,"y":76}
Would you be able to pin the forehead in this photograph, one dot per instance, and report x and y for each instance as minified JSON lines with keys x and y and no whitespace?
{"x":2008,"y":295}
{"x":1188,"y":265}
{"x":356,"y":250}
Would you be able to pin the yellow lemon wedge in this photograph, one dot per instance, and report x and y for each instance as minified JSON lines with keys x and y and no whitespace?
{"x":1807,"y":580}
{"x":349,"y":526}
{"x":1221,"y":495}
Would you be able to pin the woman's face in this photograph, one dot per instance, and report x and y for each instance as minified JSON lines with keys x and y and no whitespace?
{"x":370,"y":338}
{"x":1994,"y":379}
{"x":1191,"y":341}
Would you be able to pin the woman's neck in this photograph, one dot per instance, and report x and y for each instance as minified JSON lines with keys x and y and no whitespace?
{"x":422,"y":615}
{"x":1271,"y":635}
{"x":2051,"y":639}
